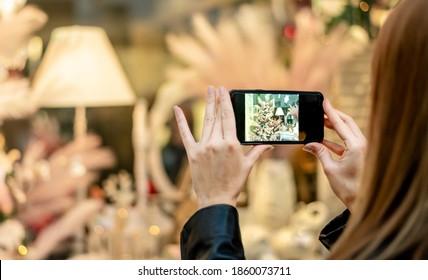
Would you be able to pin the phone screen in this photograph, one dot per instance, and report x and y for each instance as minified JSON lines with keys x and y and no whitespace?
{"x":278,"y":117}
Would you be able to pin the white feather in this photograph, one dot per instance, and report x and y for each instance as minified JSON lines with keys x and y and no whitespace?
{"x":65,"y":227}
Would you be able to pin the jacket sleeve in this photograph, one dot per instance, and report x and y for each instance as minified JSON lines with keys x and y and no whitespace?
{"x":332,"y":231}
{"x":212,"y":233}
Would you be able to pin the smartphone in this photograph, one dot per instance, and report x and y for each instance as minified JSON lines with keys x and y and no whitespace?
{"x":278,"y":116}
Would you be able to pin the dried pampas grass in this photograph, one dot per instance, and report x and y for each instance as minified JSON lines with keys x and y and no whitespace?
{"x":242,"y":52}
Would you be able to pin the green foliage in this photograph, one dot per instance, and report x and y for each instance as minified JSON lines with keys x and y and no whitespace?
{"x":353,"y":15}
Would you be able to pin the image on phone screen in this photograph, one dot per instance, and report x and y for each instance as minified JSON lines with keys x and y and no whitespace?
{"x":278,"y":116}
{"x":271,"y":117}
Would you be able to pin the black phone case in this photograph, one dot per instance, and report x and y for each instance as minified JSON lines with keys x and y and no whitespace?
{"x":310,"y":118}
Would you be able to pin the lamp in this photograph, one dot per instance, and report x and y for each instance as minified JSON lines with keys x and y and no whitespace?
{"x":279,"y":112}
{"x":80,"y":69}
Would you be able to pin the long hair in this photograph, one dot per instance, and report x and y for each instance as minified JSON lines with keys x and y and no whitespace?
{"x":390,"y":217}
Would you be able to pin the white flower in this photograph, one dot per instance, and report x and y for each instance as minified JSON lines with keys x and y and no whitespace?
{"x":329,"y":8}
{"x":12,"y":234}
{"x":359,"y":34}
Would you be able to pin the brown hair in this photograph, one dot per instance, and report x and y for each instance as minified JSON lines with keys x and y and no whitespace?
{"x":390,"y":217}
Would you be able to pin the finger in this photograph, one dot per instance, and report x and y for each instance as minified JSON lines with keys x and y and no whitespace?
{"x":328,"y":124}
{"x":334,"y":147}
{"x":256,"y":151}
{"x":183,"y":127}
{"x":348,"y":121}
{"x":322,"y":153}
{"x":337,"y":123}
{"x":351,"y":124}
{"x":227,"y":114}
{"x":209,"y":118}
{"x":217,"y":131}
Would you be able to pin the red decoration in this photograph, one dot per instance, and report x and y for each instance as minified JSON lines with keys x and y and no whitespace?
{"x":42,"y":222}
{"x":151,"y":188}
{"x":290,"y":31}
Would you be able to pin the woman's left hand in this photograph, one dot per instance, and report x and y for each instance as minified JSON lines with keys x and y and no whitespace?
{"x":342,"y":173}
{"x":218,"y":164}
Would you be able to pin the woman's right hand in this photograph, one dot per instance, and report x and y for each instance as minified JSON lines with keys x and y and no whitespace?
{"x":343,"y":173}
{"x":217,"y":162}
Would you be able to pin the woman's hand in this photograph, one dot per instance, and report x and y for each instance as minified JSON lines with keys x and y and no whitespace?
{"x":343,"y":173}
{"x":218,"y":165}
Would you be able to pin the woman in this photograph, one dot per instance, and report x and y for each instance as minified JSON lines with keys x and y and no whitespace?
{"x":385,"y":188}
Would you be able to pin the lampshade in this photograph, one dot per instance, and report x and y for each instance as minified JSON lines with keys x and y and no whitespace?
{"x":279,"y":112}
{"x":81,"y":68}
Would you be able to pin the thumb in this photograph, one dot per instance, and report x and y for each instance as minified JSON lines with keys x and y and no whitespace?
{"x":321,"y":152}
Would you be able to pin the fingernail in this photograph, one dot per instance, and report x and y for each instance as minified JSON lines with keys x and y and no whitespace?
{"x":211,"y":91}
{"x":271,"y":148}
{"x":175,"y":109}
{"x":308,"y":149}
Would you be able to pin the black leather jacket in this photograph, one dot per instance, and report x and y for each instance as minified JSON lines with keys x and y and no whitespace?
{"x":213,"y":233}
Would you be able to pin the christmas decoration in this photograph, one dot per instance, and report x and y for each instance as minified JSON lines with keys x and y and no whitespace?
{"x":266,"y":127}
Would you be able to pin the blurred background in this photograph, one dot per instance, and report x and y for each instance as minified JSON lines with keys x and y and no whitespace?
{"x":92,"y":166}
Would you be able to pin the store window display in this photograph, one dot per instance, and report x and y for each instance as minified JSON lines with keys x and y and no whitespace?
{"x":213,"y":52}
